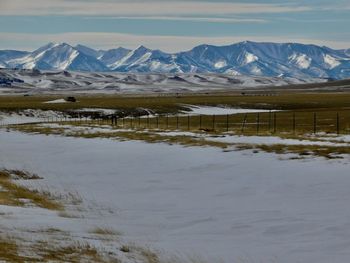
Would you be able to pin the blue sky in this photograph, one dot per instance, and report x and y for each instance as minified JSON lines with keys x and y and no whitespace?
{"x":172,"y":25}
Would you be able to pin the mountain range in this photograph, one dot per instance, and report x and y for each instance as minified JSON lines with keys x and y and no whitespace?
{"x":284,"y":60}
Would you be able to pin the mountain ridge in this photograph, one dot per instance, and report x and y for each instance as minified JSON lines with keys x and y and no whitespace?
{"x":244,"y":58}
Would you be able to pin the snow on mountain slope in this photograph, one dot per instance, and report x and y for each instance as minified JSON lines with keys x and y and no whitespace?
{"x":249,"y":58}
{"x":301,"y":60}
{"x":331,"y":61}
{"x":220,"y":64}
{"x":290,"y":60}
{"x":6,"y":55}
{"x":112,"y":57}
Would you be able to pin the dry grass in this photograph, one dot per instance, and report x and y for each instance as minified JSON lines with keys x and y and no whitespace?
{"x":149,"y":256}
{"x":291,"y":122}
{"x":104,"y":231}
{"x":171,"y":103}
{"x":16,"y":195}
{"x":72,"y":253}
{"x":301,"y":104}
{"x":44,"y":251}
{"x":9,"y":251}
{"x":302,"y":151}
{"x":66,"y":214}
{"x":18,"y":174}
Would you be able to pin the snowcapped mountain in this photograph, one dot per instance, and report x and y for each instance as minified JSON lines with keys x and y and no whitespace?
{"x":56,"y":57}
{"x":271,"y":59}
{"x":244,"y":58}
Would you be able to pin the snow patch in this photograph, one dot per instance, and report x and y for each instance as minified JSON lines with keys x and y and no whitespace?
{"x":331,"y":61}
{"x":209,"y":110}
{"x":232,"y":72}
{"x":256,"y":70}
{"x":249,"y":58}
{"x":220,"y":64}
{"x":301,"y":60}
{"x":55,"y":101}
{"x":100,"y":110}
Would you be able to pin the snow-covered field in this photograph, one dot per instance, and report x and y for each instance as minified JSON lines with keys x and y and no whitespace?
{"x":237,"y":206}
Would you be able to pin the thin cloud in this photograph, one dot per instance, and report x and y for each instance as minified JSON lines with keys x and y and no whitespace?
{"x":182,"y":18}
{"x":165,"y":43}
{"x":139,"y":8}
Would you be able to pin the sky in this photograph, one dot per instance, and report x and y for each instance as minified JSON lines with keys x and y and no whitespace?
{"x":172,"y":25}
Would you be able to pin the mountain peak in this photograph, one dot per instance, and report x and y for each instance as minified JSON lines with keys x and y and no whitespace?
{"x":142,"y":48}
{"x":63,"y":44}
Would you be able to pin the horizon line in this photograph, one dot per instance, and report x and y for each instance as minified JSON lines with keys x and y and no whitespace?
{"x":158,"y":49}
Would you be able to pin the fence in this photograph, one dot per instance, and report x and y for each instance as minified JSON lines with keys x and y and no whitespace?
{"x":297,"y":122}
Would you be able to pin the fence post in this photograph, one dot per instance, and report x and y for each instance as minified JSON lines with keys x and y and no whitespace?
{"x":243,"y":122}
{"x":338,"y":123}
{"x":257,"y":122}
{"x":294,"y":123}
{"x":167,"y":121}
{"x":315,"y":120}
{"x":227,"y":116}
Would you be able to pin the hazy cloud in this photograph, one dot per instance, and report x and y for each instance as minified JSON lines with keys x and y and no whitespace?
{"x":139,"y":8}
{"x":166,"y":43}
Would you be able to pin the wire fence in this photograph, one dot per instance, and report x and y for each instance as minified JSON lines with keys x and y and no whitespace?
{"x":297,"y":122}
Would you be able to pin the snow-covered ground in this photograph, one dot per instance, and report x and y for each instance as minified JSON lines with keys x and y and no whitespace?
{"x":28,"y":116}
{"x":112,"y":82}
{"x":210,"y":110}
{"x":100,"y":110}
{"x":237,"y":206}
